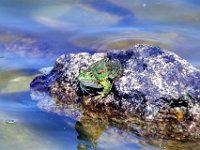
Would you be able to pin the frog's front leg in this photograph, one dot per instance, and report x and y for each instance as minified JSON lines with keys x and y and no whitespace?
{"x":106,"y":87}
{"x":84,"y":89}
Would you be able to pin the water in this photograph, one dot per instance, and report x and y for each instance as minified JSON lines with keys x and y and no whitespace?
{"x":34,"y":33}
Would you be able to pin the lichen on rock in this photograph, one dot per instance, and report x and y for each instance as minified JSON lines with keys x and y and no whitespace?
{"x":158,"y":94}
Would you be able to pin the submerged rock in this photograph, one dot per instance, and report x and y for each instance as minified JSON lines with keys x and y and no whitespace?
{"x":158,"y":94}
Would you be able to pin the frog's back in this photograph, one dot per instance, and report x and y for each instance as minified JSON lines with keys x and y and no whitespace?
{"x":106,"y":69}
{"x":115,"y":69}
{"x":99,"y":70}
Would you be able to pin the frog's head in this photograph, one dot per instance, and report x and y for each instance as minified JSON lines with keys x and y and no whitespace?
{"x":86,"y":78}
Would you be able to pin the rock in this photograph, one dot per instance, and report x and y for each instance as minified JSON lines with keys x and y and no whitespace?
{"x":158,"y":94}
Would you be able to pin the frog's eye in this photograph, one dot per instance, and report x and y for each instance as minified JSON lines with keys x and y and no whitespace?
{"x":83,"y":67}
{"x":90,"y":74}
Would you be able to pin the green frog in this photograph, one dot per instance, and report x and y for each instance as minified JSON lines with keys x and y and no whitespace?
{"x":100,"y":75}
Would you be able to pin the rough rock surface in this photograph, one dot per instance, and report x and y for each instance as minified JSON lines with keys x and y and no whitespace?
{"x":158,"y":94}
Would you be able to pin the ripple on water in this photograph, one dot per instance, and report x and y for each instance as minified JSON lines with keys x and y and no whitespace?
{"x":123,"y":38}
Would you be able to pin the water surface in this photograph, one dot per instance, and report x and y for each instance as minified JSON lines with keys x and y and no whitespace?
{"x":34,"y":33}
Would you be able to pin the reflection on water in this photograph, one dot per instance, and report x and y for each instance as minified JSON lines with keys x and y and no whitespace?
{"x":15,"y":81}
{"x":34,"y":33}
{"x":90,"y":128}
{"x":96,"y":132}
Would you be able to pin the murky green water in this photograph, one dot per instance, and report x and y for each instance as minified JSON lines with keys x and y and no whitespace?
{"x":34,"y":33}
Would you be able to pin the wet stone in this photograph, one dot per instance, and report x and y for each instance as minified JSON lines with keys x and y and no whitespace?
{"x":10,"y":121}
{"x":157,"y":87}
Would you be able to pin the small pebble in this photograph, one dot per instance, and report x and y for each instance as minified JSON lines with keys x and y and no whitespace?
{"x":10,"y":121}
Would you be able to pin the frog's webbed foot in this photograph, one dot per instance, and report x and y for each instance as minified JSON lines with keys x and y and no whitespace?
{"x":97,"y":97}
{"x":100,"y":96}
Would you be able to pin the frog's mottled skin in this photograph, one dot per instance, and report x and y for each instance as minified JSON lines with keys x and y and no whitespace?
{"x":99,"y":75}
